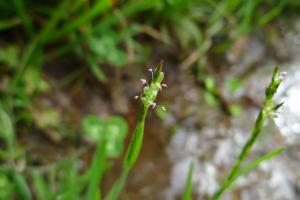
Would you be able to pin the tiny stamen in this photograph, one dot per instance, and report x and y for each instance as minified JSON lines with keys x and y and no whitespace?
{"x":150,"y":70}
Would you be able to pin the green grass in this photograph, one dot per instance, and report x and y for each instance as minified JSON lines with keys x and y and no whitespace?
{"x":188,"y":189}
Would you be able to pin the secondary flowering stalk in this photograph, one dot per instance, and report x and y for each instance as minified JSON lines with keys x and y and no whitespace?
{"x":268,"y":110}
{"x":148,"y":97}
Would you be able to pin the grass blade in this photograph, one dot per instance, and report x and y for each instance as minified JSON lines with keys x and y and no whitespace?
{"x":96,"y":171}
{"x":274,"y":12}
{"x":260,"y":160}
{"x":252,"y":166}
{"x":41,"y":188}
{"x":40,"y":39}
{"x":187,"y":194}
{"x":21,"y":187}
{"x":98,"y":8}
{"x":5,"y":24}
{"x":23,"y":14}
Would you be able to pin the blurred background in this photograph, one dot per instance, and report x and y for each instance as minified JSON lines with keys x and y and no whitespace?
{"x":69,"y":71}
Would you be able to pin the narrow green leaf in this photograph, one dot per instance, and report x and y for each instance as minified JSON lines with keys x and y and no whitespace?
{"x":40,"y":187}
{"x":187,"y":194}
{"x":40,"y":39}
{"x":21,"y":187}
{"x":274,"y":12}
{"x":99,"y":7}
{"x":250,"y":167}
{"x":24,"y":16}
{"x":257,"y":162}
{"x":96,"y":171}
{"x":5,"y":24}
{"x":277,"y":106}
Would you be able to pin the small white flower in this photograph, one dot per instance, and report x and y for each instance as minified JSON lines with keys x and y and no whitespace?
{"x":143,"y":81}
{"x":153,"y":105}
{"x":282,"y":76}
{"x":136,"y":97}
{"x":155,"y":93}
{"x":164,"y":85}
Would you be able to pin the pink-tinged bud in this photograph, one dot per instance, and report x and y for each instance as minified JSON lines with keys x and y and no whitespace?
{"x":136,"y":97}
{"x":143,"y":81}
{"x":153,"y":105}
{"x":164,"y":85}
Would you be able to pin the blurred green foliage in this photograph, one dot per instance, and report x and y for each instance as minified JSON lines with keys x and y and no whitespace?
{"x":104,"y":35}
{"x":114,"y":130}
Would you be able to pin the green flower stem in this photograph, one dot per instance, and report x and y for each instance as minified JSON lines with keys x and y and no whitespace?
{"x":267,"y":111}
{"x":132,"y":154}
{"x":117,"y":187}
{"x":136,"y":140}
{"x":243,"y":155}
{"x":148,"y":100}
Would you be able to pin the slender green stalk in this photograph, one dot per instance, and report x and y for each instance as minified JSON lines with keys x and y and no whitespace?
{"x":267,"y":111}
{"x":148,"y":100}
{"x":131,"y":155}
{"x":117,"y":187}
{"x":136,"y":141}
